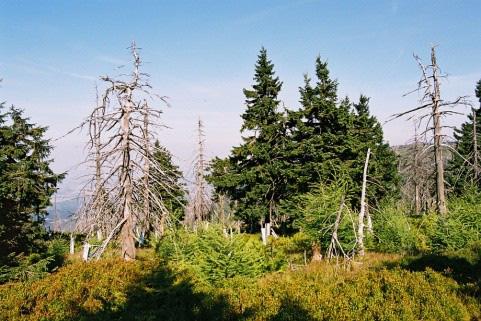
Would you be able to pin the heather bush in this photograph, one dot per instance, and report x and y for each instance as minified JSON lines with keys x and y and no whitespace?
{"x":146,"y":290}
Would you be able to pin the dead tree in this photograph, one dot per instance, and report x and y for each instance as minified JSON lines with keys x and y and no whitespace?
{"x":416,"y":166}
{"x":200,"y":203}
{"x":335,"y":247}
{"x":362,"y":211}
{"x":121,"y":144}
{"x":429,"y":87}
{"x":475,"y":147}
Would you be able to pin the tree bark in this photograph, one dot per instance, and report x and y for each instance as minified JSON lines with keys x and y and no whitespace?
{"x":146,"y":169}
{"x":438,"y":155}
{"x":362,"y":211}
{"x":475,"y":147}
{"x":127,"y":234}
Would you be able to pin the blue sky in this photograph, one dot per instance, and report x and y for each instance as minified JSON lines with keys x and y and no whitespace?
{"x":202,"y":53}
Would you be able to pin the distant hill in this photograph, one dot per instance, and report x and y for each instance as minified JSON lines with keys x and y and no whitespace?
{"x":63,"y":218}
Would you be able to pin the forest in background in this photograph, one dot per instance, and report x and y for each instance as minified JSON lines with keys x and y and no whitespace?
{"x":309,"y":211}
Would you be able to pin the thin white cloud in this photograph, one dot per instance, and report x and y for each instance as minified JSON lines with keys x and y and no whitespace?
{"x":37,"y":68}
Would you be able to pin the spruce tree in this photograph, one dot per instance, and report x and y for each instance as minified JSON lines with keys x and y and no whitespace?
{"x":318,"y":131}
{"x":254,"y":174}
{"x":26,"y":183}
{"x":168,"y":183}
{"x":331,"y":139}
{"x":463,"y":168}
{"x":366,"y":132}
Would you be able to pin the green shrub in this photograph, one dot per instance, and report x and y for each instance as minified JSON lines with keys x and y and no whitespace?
{"x":112,"y":289}
{"x":322,"y":293}
{"x":32,"y":267}
{"x":57,"y":250}
{"x":35,"y":265}
{"x":317,"y":213}
{"x":398,"y":232}
{"x":394,"y":232}
{"x":290,"y":248}
{"x":461,"y":226}
{"x":213,"y":256}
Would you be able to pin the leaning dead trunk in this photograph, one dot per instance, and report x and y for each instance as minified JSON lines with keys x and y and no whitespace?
{"x":362,"y":211}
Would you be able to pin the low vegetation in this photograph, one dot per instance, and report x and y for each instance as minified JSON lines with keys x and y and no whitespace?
{"x":380,"y":287}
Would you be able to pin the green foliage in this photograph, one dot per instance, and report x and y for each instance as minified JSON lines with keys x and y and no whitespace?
{"x":394,"y":231}
{"x":35,"y":266}
{"x":398,"y":232}
{"x":254,"y":173}
{"x":289,"y":152}
{"x":26,"y":184}
{"x":144,"y":290}
{"x":461,"y":227}
{"x":57,"y":250}
{"x":213,"y":256}
{"x":317,"y":213}
{"x":174,"y":193}
{"x":28,"y":268}
{"x":64,"y":295}
{"x":331,"y":137}
{"x":323,"y":294}
{"x":461,"y":172}
{"x":295,"y":249}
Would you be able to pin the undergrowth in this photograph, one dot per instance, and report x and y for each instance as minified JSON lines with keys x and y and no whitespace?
{"x":146,"y":289}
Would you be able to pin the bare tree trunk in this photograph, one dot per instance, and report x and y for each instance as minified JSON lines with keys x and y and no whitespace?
{"x":417,"y":200}
{"x":147,"y":158}
{"x":369,"y":221}
{"x":127,"y":234}
{"x":362,"y":211}
{"x":98,"y":177}
{"x":122,"y":198}
{"x":72,"y":243}
{"x":475,"y":147}
{"x":331,"y":251}
{"x":438,"y":156}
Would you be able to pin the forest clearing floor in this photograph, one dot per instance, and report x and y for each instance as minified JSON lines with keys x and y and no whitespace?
{"x":377,"y":287}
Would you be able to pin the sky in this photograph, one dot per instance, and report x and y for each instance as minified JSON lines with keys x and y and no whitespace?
{"x":201,"y":54}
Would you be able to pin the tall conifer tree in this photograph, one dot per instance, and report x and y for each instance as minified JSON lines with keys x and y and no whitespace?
{"x":254,"y":173}
{"x":26,"y":183}
{"x":318,"y":130}
{"x":464,"y":168}
{"x":366,"y":132}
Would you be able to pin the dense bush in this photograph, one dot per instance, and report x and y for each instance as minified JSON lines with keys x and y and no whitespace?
{"x":35,"y":265}
{"x":395,"y":231}
{"x":214,"y":256}
{"x":145,"y":290}
{"x":74,"y":290}
{"x":398,"y":232}
{"x":322,"y":293}
{"x":317,"y":213}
